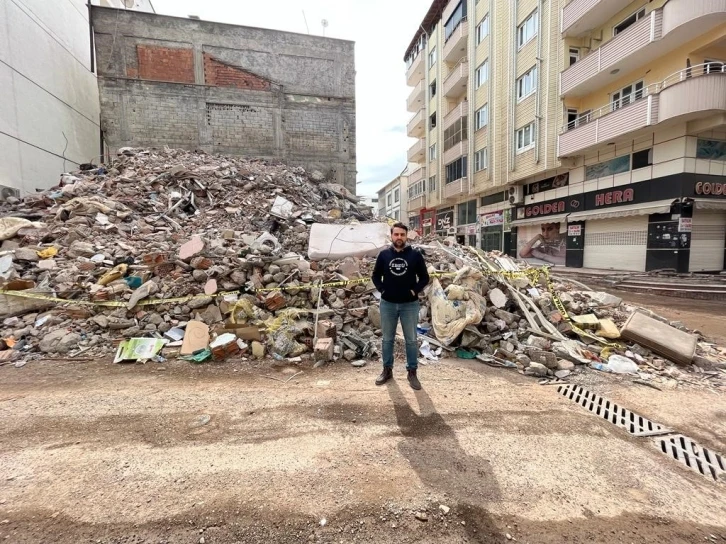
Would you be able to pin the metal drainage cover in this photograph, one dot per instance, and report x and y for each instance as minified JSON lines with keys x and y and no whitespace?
{"x":695,"y":457}
{"x":623,"y":418}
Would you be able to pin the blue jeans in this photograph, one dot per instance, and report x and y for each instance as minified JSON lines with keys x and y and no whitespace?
{"x":390,"y":314}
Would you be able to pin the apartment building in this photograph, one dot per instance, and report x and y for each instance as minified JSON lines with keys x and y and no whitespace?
{"x":392,"y":201}
{"x":581,"y":133}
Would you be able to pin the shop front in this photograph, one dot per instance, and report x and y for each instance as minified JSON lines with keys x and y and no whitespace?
{"x":492,"y":230}
{"x":675,"y":222}
{"x":444,"y":222}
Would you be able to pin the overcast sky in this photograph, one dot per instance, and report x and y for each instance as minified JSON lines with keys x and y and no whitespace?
{"x":381,"y":29}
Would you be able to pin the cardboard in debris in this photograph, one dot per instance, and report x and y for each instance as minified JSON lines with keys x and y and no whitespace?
{"x":196,"y":337}
{"x":608,"y":329}
{"x":661,"y":338}
{"x":328,"y":241}
{"x":138,"y":349}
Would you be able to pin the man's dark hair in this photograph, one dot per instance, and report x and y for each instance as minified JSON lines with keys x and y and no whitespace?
{"x":399,"y":226}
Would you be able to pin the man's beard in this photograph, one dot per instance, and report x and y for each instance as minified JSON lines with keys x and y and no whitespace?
{"x":399,"y":243}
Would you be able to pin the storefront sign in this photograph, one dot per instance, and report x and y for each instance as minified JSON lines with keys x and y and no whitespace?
{"x":471,"y":229}
{"x":574,"y":230}
{"x":614,"y":197}
{"x":444,"y":220}
{"x":551,"y":207}
{"x":708,"y":188}
{"x":563,"y":180}
{"x":492,"y":219}
{"x":427,"y":222}
{"x":685,"y":224}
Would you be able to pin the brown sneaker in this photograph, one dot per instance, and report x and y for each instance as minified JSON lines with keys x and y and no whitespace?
{"x":413,"y":380}
{"x":386,"y":375}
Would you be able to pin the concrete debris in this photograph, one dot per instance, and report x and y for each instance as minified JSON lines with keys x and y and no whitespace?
{"x":189,"y":248}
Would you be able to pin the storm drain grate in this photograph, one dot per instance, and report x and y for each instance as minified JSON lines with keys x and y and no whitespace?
{"x":608,"y":410}
{"x":695,"y":457}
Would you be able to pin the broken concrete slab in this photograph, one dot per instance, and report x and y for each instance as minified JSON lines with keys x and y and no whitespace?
{"x":661,"y":338}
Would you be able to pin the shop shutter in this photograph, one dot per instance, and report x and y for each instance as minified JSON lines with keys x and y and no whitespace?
{"x":618,"y":244}
{"x":708,"y":241}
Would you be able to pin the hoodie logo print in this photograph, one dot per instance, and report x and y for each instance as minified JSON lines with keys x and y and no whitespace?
{"x":398,"y":266}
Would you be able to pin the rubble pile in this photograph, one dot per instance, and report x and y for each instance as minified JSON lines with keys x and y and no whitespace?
{"x":165,"y":253}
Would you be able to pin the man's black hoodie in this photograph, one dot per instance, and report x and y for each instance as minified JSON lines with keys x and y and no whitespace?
{"x":397,"y":273}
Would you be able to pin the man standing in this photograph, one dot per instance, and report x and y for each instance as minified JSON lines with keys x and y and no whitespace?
{"x":400,"y":275}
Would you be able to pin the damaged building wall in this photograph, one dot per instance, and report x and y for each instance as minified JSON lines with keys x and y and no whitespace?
{"x":227,"y":89}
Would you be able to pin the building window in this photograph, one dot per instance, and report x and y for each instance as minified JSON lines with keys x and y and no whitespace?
{"x":575,"y":119}
{"x":714,"y":150}
{"x":466,"y":213}
{"x":630,"y":21}
{"x":432,"y":57}
{"x":389,"y":199}
{"x":496,"y":198}
{"x":417,"y":189}
{"x":455,"y":20}
{"x":482,"y":29}
{"x":456,"y":170}
{"x":527,"y":30}
{"x":397,"y":215}
{"x":627,"y":95}
{"x":482,"y":74}
{"x":643,"y":158}
{"x":432,"y":184}
{"x":574,"y":55}
{"x":524,"y":138}
{"x":432,"y":121}
{"x":480,"y":160}
{"x":432,"y":153}
{"x":432,"y":90}
{"x":397,"y":195}
{"x":456,"y":133}
{"x":527,"y":84}
{"x":614,"y":166}
{"x":482,"y":117}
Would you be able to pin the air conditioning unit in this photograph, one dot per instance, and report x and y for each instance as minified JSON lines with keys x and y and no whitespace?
{"x":451,"y":231}
{"x":516,"y":194}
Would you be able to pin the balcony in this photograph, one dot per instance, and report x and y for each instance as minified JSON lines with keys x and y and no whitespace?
{"x":415,"y":72}
{"x":456,"y":188}
{"x":416,"y":125}
{"x":416,"y":152}
{"x":416,"y":176}
{"x":660,"y":32}
{"x":453,"y":153}
{"x":456,"y":113}
{"x":455,"y":47}
{"x":456,"y":80}
{"x":417,"y":96}
{"x":416,"y":203}
{"x":581,"y":16}
{"x":693,"y":93}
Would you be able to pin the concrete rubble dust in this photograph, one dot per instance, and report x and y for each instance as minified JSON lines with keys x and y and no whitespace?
{"x":169,"y":253}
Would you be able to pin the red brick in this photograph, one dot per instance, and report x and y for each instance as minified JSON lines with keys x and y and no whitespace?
{"x":220,"y":74}
{"x":165,"y":64}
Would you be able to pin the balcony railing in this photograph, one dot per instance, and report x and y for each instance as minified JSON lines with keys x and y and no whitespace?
{"x":416,"y":98}
{"x":455,"y":188}
{"x":456,"y":151}
{"x":416,"y":151}
{"x":579,"y":16}
{"x":455,"y":81}
{"x":417,"y":175}
{"x":415,"y":72}
{"x":417,"y":202}
{"x":456,"y":113}
{"x":644,"y":41}
{"x":700,"y":88}
{"x":415,"y":127}
{"x":456,"y":45}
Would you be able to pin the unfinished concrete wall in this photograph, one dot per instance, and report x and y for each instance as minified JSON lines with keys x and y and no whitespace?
{"x":227,"y":89}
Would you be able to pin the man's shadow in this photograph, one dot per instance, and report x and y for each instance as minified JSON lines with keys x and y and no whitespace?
{"x":433,"y":450}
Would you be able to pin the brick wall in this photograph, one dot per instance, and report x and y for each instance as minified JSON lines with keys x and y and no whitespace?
{"x":311,"y":130}
{"x":221,"y":74}
{"x":165,"y":64}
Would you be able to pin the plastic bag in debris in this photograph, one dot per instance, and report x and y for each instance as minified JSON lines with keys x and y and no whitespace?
{"x":455,"y":292}
{"x":622,"y":365}
{"x":288,"y":318}
{"x":9,"y":226}
{"x":285,"y":345}
{"x":245,"y":310}
{"x":267,"y":240}
{"x":450,"y":317}
{"x":91,"y":205}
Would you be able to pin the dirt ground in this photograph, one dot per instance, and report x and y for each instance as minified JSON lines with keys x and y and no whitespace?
{"x":233,"y":452}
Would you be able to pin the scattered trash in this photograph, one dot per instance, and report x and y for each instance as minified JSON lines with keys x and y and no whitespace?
{"x":138,"y":349}
{"x":621,"y":365}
